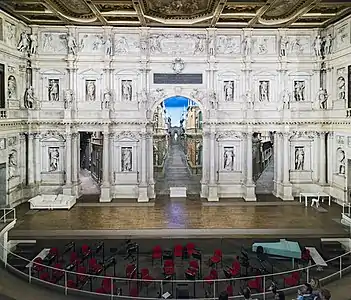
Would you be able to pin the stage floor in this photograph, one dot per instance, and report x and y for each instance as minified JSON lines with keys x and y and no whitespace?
{"x":181,"y":219}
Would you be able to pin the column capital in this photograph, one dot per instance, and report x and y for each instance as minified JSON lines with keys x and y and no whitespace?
{"x":68,"y":135}
{"x":323,"y":132}
{"x":111,"y":135}
{"x":75,"y":135}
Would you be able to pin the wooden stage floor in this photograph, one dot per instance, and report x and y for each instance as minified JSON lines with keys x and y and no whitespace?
{"x":181,"y":219}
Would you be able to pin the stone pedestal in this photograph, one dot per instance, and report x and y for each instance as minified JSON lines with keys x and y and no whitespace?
{"x":105,"y":194}
{"x":250,"y":194}
{"x":151,"y":191}
{"x":67,"y":114}
{"x":143,"y":194}
{"x":287,"y":192}
{"x":67,"y":190}
{"x":212,"y":193}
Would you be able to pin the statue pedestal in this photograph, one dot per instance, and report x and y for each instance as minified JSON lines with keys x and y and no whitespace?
{"x":105,"y":194}
{"x":212,"y":193}
{"x":105,"y":114}
{"x":287,"y":192}
{"x":143,"y":194}
{"x":67,"y":114}
{"x":67,"y":190}
{"x":250,"y":194}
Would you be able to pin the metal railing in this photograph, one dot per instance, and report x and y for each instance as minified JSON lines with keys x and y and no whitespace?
{"x":88,"y":283}
{"x":6,"y":215}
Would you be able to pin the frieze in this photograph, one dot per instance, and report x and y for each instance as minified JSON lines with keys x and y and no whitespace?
{"x":128,"y":134}
{"x":302,"y":135}
{"x":53,"y":134}
{"x":229,"y":135}
{"x":340,"y":139}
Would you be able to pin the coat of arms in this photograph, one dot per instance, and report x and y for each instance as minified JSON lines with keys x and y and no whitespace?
{"x":178,"y":65}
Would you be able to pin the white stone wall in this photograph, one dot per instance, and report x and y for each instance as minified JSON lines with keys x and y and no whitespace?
{"x":249,"y":58}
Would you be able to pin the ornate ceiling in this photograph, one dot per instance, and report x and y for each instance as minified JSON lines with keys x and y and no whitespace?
{"x":180,"y":13}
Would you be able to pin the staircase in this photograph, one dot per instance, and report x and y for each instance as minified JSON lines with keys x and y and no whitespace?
{"x":264,"y":184}
{"x":176,"y":173}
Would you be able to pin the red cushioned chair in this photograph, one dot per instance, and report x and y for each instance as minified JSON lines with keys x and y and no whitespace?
{"x":216,"y":258}
{"x":292,"y":280}
{"x":235,"y":269}
{"x":38,"y":265}
{"x":45,"y":276}
{"x":178,"y":251}
{"x":190,"y":247}
{"x":255,"y":284}
{"x":130,"y":269}
{"x":100,"y":290}
{"x":81,"y":277}
{"x":157,"y":254}
{"x":57,"y":272}
{"x":230,"y":290}
{"x":86,"y":251}
{"x":168,"y":268}
{"x":74,"y":259}
{"x":71,"y":284}
{"x":209,"y":280}
{"x":146,"y":278}
{"x":54,"y":253}
{"x":134,"y":292}
{"x":107,"y":286}
{"x":94,"y":267}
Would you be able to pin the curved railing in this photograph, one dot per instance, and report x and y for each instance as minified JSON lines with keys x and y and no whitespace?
{"x":335,"y":270}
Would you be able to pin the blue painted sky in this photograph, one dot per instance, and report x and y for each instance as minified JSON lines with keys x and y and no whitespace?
{"x":175,"y":108}
{"x":176,"y":101}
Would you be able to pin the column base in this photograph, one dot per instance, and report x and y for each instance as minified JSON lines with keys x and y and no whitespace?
{"x":143,"y":194}
{"x":105,"y":195}
{"x":287,"y":192}
{"x":204,"y":190}
{"x":212,"y":193}
{"x":250,"y":193}
{"x":151,"y":191}
{"x":75,"y":189}
{"x":67,"y":190}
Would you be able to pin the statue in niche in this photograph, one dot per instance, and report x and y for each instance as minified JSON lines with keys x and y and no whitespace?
{"x":299,"y":158}
{"x":90,"y":90}
{"x":249,"y":98}
{"x":122,"y":46}
{"x":341,"y":161}
{"x":68,"y":99}
{"x":33,"y":44}
{"x":106,"y":100}
{"x":299,"y":90}
{"x":211,"y":47}
{"x":228,"y":164}
{"x":212,"y":98}
{"x":71,"y":44}
{"x":286,"y":97}
{"x":12,"y":163}
{"x":54,"y":157}
{"x":12,"y":87}
{"x":229,"y":90}
{"x":108,"y":46}
{"x":126,"y":160}
{"x":23,"y":44}
{"x":317,"y":46}
{"x":29,"y":97}
{"x":284,"y":44}
{"x":327,"y":45}
{"x":198,"y":158}
{"x":322,"y":97}
{"x":341,"y":88}
{"x":247,"y":45}
{"x":264,"y":91}
{"x":54,"y":90}
{"x":127,"y":90}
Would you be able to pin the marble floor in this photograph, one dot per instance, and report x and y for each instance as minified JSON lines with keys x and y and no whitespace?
{"x":167,"y":218}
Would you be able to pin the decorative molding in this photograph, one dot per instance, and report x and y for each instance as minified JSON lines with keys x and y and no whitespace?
{"x":229,"y":134}
{"x":128,"y":134}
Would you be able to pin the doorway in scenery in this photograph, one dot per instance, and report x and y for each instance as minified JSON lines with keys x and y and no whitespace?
{"x":91,"y":151}
{"x":263,"y":163}
{"x":177,"y":146}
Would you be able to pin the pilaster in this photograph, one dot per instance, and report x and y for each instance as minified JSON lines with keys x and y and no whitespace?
{"x":330,"y":155}
{"x":105,"y":188}
{"x":287,"y":186}
{"x":150,"y":162}
{"x":22,"y":158}
{"x":75,"y":164}
{"x":250,"y":194}
{"x":323,"y":159}
{"x":205,"y":163}
{"x":212,"y":187}
{"x":143,"y":187}
{"x":31,"y":159}
{"x":37,"y":159}
{"x":67,"y":189}
{"x":316,"y":157}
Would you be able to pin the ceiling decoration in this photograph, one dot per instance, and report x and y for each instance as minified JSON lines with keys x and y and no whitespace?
{"x":180,"y":13}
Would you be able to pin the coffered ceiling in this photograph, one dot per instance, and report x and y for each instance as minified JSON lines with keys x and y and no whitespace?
{"x":180,"y":13}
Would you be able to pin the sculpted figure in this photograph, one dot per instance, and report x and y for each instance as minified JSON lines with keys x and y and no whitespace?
{"x":212,"y":97}
{"x":12,"y":163}
{"x":328,"y":44}
{"x":68,"y":99}
{"x":284,"y":43}
{"x":91,"y":90}
{"x":229,"y":91}
{"x":33,"y":44}
{"x":126,"y":90}
{"x":107,"y":100}
{"x":318,"y":46}
{"x":126,"y":159}
{"x":29,"y":98}
{"x":341,"y":88}
{"x":54,"y":156}
{"x":341,"y":161}
{"x":23,"y":44}
{"x":299,"y":91}
{"x":322,"y":97}
{"x":299,"y":159}
{"x":71,"y":44}
{"x":108,"y":46}
{"x":286,"y":97}
{"x":263,"y":89}
{"x":249,"y":99}
{"x":53,"y":91}
{"x":12,"y":87}
{"x":247,"y":46}
{"x":228,"y":160}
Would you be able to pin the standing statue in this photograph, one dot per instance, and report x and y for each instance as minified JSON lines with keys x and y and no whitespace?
{"x":12,"y":163}
{"x":91,"y":90}
{"x":53,"y":91}
{"x":249,"y":98}
{"x":318,"y":46}
{"x":284,"y":43}
{"x":126,"y":160}
{"x":341,"y":88}
{"x":228,"y":160}
{"x":54,"y":156}
{"x":68,"y":99}
{"x":229,"y":91}
{"x":286,"y":97}
{"x":33,"y":44}
{"x":126,"y":90}
{"x":107,"y":100}
{"x":29,"y":97}
{"x":12,"y":87}
{"x":322,"y":97}
{"x":341,"y":161}
{"x":71,"y":44}
{"x":328,"y":40}
{"x":299,"y":91}
{"x":299,"y":159}
{"x":263,"y":89}
{"x":23,"y":44}
{"x":247,"y":45}
{"x":108,"y":46}
{"x":212,"y":98}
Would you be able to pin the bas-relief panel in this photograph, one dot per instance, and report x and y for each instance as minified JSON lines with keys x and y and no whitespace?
{"x":226,"y":44}
{"x":177,"y":44}
{"x":299,"y":45}
{"x":127,"y":44}
{"x":264,"y":45}
{"x":342,"y":36}
{"x":10,"y":34}
{"x":53,"y":43}
{"x":90,"y":43}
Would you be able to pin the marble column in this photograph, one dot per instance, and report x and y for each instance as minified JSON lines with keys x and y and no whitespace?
{"x":250,"y":194}
{"x":316,"y":156}
{"x":105,"y":188}
{"x":22,"y":158}
{"x":330,"y":154}
{"x":75,"y":164}
{"x":150,"y":163}
{"x":143,"y":197}
{"x":275,"y":161}
{"x":323,"y":160}
{"x":30,"y":159}
{"x":280,"y":153}
{"x":212,"y":187}
{"x":244,"y":157}
{"x":205,"y":164}
{"x":287,"y":186}
{"x":112,"y":161}
{"x":37,"y":158}
{"x":67,"y":189}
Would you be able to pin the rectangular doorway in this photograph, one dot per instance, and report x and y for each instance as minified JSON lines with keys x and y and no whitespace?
{"x":3,"y":185}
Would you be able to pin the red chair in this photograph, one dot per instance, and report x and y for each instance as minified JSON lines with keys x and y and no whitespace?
{"x":211,"y":278}
{"x":134,"y":292}
{"x":157,"y":254}
{"x":190,"y":247}
{"x":100,"y":290}
{"x":236,"y":269}
{"x":168,"y":268}
{"x":86,"y":251}
{"x":255,"y":284}
{"x":54,"y":253}
{"x":74,"y":259}
{"x":58,"y":272}
{"x":178,"y":251}
{"x":194,"y":265}
{"x":81,"y":277}
{"x":216,"y":258}
{"x":292,"y":280}
{"x":45,"y":276}
{"x":71,"y":284}
{"x":146,"y":278}
{"x":94,"y":267}
{"x":108,"y":286}
{"x":38,"y":265}
{"x":130,"y":270}
{"x":230,"y":290}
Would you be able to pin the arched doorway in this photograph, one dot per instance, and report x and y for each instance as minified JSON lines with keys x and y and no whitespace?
{"x":177,"y":124}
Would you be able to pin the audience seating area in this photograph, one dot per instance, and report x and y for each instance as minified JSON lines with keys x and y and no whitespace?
{"x":163,"y":268}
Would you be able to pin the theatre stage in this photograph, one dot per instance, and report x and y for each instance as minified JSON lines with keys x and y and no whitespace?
{"x":166,"y":218}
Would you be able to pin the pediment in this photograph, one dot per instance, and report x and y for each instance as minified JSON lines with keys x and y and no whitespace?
{"x":90,"y":72}
{"x":127,"y":72}
{"x":228,"y":74}
{"x":52,"y":137}
{"x":127,"y":136}
{"x":53,"y":72}
{"x":299,"y":73}
{"x":228,"y":136}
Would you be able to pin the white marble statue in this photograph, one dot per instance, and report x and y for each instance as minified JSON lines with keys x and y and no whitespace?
{"x":68,"y":98}
{"x":228,"y":164}
{"x":229,"y":90}
{"x":322,"y":97}
{"x":106,"y":100}
{"x":175,"y":136}
{"x":327,"y":47}
{"x":247,"y":46}
{"x":286,"y":98}
{"x":299,"y":91}
{"x":91,"y":90}
{"x":53,"y":90}
{"x":29,"y":98}
{"x":299,"y":158}
{"x":54,"y":157}
{"x":12,"y":87}
{"x":126,"y":90}
{"x":12,"y":164}
{"x":341,"y":88}
{"x":211,"y":46}
{"x":318,"y":46}
{"x":126,"y":160}
{"x":264,"y":91}
{"x":24,"y":42}
{"x":33,"y":44}
{"x":108,"y":46}
{"x":122,"y":46}
{"x":341,"y":161}
{"x":71,"y":44}
{"x":284,"y":44}
{"x":249,"y":98}
{"x":212,"y":99}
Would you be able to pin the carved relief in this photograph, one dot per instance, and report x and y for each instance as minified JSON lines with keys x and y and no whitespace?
{"x":198,"y":95}
{"x":10,"y":34}
{"x":33,"y":44}
{"x":1,"y":30}
{"x":108,"y":46}
{"x":12,"y":87}
{"x":264,"y":91}
{"x":299,"y":45}
{"x":342,"y":37}
{"x":68,"y":98}
{"x":53,"y":43}
{"x":228,"y":158}
{"x":229,"y":90}
{"x":264,"y":45}
{"x":177,"y":65}
{"x":106,"y":100}
{"x":228,"y":44}
{"x":54,"y":90}
{"x":91,"y":43}
{"x":340,"y":140}
{"x":247,"y":45}
{"x":327,"y":44}
{"x":299,"y":90}
{"x":126,"y":159}
{"x":2,"y":143}
{"x":340,"y":154}
{"x":286,"y":99}
{"x":341,"y":88}
{"x":125,"y":45}
{"x":322,"y":97}
{"x":12,"y":164}
{"x":317,"y":46}
{"x":90,"y":90}
{"x":299,"y":158}
{"x":54,"y":159}
{"x":127,"y":90}
{"x":12,"y":141}
{"x":71,"y":44}
{"x":29,"y":100}
{"x":24,"y":42}
{"x":283,"y":46}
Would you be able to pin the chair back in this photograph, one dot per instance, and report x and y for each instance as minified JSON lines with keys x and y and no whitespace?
{"x":218,"y":253}
{"x":157,"y":249}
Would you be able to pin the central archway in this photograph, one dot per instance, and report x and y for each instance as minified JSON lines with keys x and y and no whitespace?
{"x":177,"y":127}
